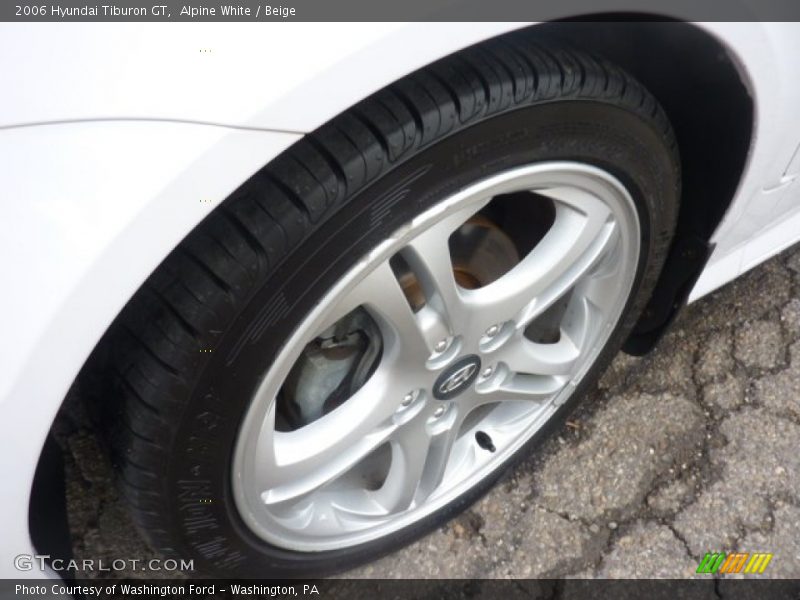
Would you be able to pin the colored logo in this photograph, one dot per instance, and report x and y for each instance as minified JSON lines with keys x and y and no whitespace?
{"x":736,"y":562}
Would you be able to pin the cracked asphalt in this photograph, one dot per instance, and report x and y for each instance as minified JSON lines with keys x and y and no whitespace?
{"x":693,"y":448}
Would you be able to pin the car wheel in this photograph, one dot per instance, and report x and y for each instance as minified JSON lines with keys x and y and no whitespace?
{"x":356,"y":344}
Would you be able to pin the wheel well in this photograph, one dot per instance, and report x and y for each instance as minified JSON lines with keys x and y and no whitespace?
{"x":698,"y":84}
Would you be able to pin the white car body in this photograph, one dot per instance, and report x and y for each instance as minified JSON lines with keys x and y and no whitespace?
{"x":117,"y":139}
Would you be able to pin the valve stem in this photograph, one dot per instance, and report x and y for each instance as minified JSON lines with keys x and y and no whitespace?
{"x":484,"y":441}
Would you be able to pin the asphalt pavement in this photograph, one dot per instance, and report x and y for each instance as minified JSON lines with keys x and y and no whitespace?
{"x":691,"y":449}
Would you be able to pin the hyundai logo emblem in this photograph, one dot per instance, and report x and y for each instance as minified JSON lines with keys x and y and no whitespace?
{"x":457,"y":377}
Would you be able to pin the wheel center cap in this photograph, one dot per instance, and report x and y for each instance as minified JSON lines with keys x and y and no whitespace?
{"x":457,"y":377}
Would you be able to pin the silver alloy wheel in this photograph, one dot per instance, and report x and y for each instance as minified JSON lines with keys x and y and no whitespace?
{"x":459,"y":387}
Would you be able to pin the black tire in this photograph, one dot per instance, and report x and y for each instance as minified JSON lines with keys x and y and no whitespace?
{"x":242,"y":280}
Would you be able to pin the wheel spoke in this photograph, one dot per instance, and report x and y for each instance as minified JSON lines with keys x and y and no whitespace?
{"x":409,"y":453}
{"x":570,"y":249}
{"x":562,"y":358}
{"x":428,"y":255}
{"x":604,"y":280}
{"x":420,"y":455}
{"x":508,"y":386}
{"x":380,"y":292}
{"x":526,"y":356}
{"x":580,"y":323}
{"x":291,"y":464}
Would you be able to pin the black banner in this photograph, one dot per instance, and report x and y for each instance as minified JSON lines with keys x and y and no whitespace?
{"x":341,"y":589}
{"x":399,"y":10}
